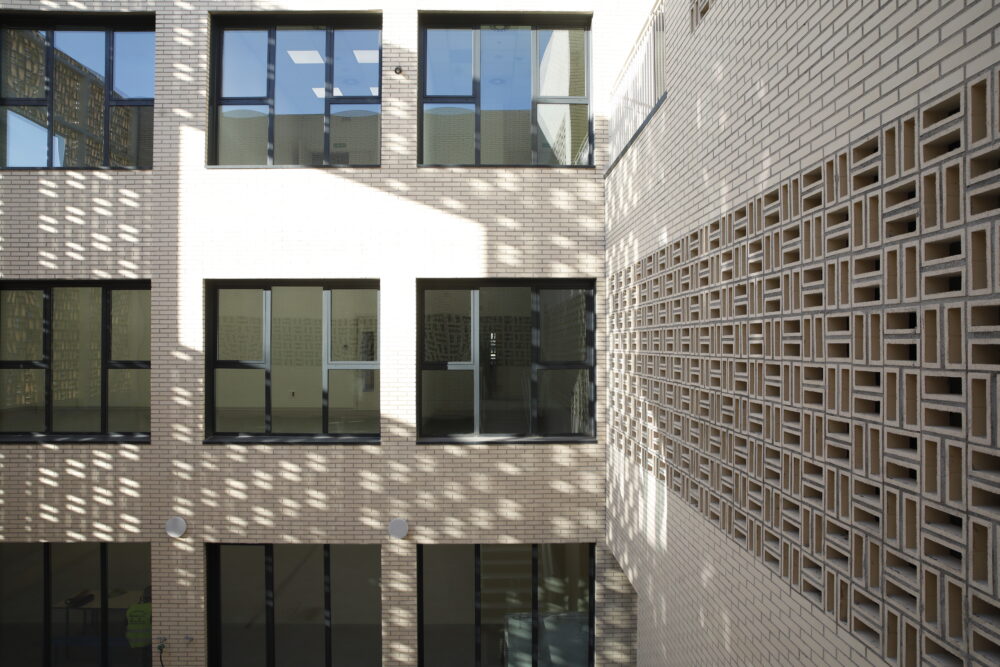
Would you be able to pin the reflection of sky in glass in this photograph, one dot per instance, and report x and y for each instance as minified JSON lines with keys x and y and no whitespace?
{"x":449,"y":62}
{"x":505,"y":69}
{"x":84,"y":46}
{"x":294,"y":81}
{"x":25,"y":141}
{"x":58,"y":150}
{"x":354,"y":73}
{"x":134,"y":63}
{"x":354,"y":110}
{"x":244,"y":63}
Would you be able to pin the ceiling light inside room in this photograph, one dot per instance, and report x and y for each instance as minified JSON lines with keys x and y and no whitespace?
{"x":366,"y":56}
{"x":311,"y":57}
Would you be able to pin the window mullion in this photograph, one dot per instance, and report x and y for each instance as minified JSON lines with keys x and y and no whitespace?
{"x":535,"y":90}
{"x":476,"y":88}
{"x":47,"y":310}
{"x":328,"y":88}
{"x":269,"y":601}
{"x":535,"y":356}
{"x":327,"y":363}
{"x":105,"y":354}
{"x":272,"y":49}
{"x":50,"y":67}
{"x":109,"y":48}
{"x":474,"y":337}
{"x":267,"y":360}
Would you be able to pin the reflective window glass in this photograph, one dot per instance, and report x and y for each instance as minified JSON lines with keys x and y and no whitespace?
{"x":22,"y":600}
{"x":447,"y":403}
{"x":354,"y":134}
{"x":505,"y":94}
{"x":356,"y":605}
{"x":239,"y":400}
{"x":562,"y":63}
{"x":564,"y":402}
{"x":505,"y":359}
{"x":241,"y":324}
{"x":130,"y":324}
{"x":354,"y":325}
{"x":76,"y":359}
{"x":449,"y":133}
{"x":447,"y":325}
{"x":299,"y":96}
{"x":23,"y":136}
{"x":356,"y":63}
{"x":244,"y":63}
{"x":449,"y":62}
{"x":296,"y":360}
{"x":128,"y":400}
{"x":21,"y":325}
{"x":354,"y":401}
{"x":242,"y":638}
{"x":22,"y":400}
{"x":563,"y":604}
{"x":76,"y":601}
{"x":131,"y":140}
{"x":242,"y":133}
{"x":22,"y":63}
{"x":563,"y":316}
{"x":448,"y":604}
{"x":563,"y":134}
{"x":505,"y":604}
{"x":134,"y":66}
{"x":130,"y":605}
{"x":299,"y":606}
{"x":79,"y":103}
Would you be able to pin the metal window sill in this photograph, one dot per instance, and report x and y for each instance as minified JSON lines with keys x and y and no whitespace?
{"x":292,"y":440}
{"x":507,"y":440}
{"x":75,"y":438}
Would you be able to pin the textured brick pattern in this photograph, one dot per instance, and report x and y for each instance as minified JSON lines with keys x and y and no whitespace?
{"x":812,"y":367}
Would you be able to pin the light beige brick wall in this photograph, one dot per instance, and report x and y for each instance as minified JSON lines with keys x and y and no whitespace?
{"x":803,"y":288}
{"x":183,"y":223}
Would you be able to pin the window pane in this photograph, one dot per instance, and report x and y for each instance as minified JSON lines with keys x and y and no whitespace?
{"x":21,"y":325}
{"x":242,"y":617}
{"x":130,"y":325}
{"x":24,"y":137}
{"x":505,"y":594}
{"x":128,"y":400}
{"x":449,"y":134}
{"x":242,"y":134}
{"x":356,"y":63}
{"x":505,"y":120}
{"x":447,"y":325}
{"x":354,"y":324}
{"x":21,"y":604}
{"x":131,"y":140}
{"x":241,"y":325}
{"x":22,"y":59}
{"x":354,"y":401}
{"x":299,"y":96}
{"x":299,"y":606}
{"x":564,"y":402}
{"x":355,"y":596}
{"x":76,"y":603}
{"x":505,"y":359}
{"x":354,"y":134}
{"x":562,"y":70}
{"x":78,"y":99}
{"x":563,"y":325}
{"x":449,"y":605}
{"x":449,"y":62}
{"x":563,"y":604}
{"x":76,"y":359}
{"x":239,"y":400}
{"x":22,"y":400}
{"x":446,"y":403}
{"x":296,"y":360}
{"x":244,"y":63}
{"x":563,"y":134}
{"x":135,"y":54}
{"x":130,"y":605}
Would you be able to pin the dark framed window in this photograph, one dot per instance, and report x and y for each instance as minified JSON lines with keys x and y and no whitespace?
{"x":292,"y":361}
{"x":76,"y":91}
{"x":74,"y":361}
{"x":294,"y":605}
{"x":494,"y":605}
{"x":303,"y":91}
{"x":495,"y":91}
{"x":506,"y":359}
{"x":75,"y":604}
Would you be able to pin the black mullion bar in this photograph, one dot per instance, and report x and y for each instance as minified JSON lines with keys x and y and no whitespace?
{"x":105,"y":353}
{"x":591,"y":343}
{"x":328,"y":605}
{"x":272,"y":47}
{"x":212,"y":573}
{"x":50,"y":94}
{"x":593,"y":606}
{"x":23,"y":101}
{"x":479,"y":610}
{"x":535,"y":90}
{"x":420,"y":605}
{"x":105,"y":657}
{"x":536,"y":334}
{"x":47,"y":604}
{"x":109,"y":47}
{"x":587,"y":90}
{"x":267,"y":360}
{"x":47,"y":309}
{"x":534,"y":605}
{"x":269,"y":601}
{"x":327,"y":336}
{"x":476,"y":85}
{"x":328,"y":93}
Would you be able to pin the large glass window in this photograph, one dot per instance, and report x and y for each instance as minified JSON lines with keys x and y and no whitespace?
{"x":506,"y":605}
{"x":294,"y":361}
{"x":294,"y":605}
{"x":91,"y":602}
{"x":298,"y":94}
{"x":76,"y":96}
{"x":506,"y":359}
{"x":512,"y":95}
{"x":74,"y":360}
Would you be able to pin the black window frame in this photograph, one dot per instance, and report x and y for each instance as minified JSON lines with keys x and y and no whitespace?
{"x":96,"y":22}
{"x":212,"y":288}
{"x":592,"y":635}
{"x":214,"y":596}
{"x":474,"y":22}
{"x":272,"y":22}
{"x":536,"y":285}
{"x":107,"y":364}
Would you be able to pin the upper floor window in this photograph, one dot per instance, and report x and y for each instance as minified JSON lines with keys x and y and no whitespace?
{"x":300,"y":93}
{"x":515,"y":95}
{"x":506,"y":359}
{"x":293,"y":361}
{"x":74,"y":361}
{"x":76,"y":95}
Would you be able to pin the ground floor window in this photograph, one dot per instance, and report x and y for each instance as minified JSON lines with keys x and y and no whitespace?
{"x":75,"y":605}
{"x":506,"y":605}
{"x":294,"y":605}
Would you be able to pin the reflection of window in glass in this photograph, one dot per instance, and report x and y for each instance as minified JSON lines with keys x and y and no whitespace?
{"x":500,"y":605}
{"x":74,"y":360}
{"x":313,"y":604}
{"x":91,"y":601}
{"x":506,"y":359}
{"x":96,"y":107}
{"x":308,"y":96}
{"x":295,"y":359}
{"x":505,"y":95}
